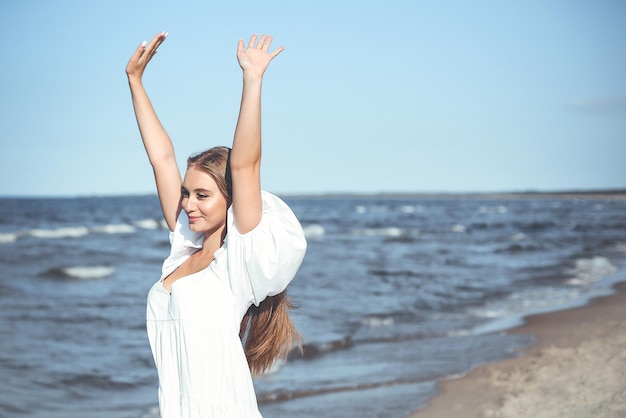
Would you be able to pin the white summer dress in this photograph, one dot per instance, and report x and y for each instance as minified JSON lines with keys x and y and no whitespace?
{"x":194,"y":331}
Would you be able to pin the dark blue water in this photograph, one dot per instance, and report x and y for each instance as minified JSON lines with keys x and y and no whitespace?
{"x":393,"y":294}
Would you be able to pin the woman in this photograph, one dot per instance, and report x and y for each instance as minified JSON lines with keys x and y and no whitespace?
{"x":234,"y":249}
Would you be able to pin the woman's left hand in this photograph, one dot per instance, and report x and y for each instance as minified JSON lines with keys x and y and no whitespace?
{"x":255,"y":59}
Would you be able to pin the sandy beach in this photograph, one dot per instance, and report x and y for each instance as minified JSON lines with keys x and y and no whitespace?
{"x":576,"y":369}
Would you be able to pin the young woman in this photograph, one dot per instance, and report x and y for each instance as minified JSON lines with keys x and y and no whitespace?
{"x":234,"y":249}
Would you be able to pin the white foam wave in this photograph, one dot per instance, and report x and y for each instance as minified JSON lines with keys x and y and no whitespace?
{"x":412,"y":209}
{"x":7,"y":238}
{"x":458,"y":228}
{"x":386,"y":232}
{"x":314,"y":231}
{"x":81,"y":231}
{"x":115,"y":229}
{"x":75,"y":232}
{"x":520,"y":236}
{"x":374,"y":321}
{"x":590,"y":270}
{"x":93,"y":272}
{"x":372,"y":209}
{"x":526,"y":301}
{"x":493,"y":209}
{"x":147,"y":224}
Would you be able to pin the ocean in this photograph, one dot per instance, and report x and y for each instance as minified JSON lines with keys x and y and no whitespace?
{"x":395,"y":293}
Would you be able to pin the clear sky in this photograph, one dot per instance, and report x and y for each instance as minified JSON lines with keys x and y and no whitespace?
{"x":369,"y":96}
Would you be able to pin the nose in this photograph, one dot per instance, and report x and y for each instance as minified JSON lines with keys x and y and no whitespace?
{"x":188,"y":204}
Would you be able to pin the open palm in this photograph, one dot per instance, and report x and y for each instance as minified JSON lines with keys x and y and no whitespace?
{"x":255,"y":59}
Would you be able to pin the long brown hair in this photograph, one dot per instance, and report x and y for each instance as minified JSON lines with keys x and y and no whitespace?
{"x":266,"y":331}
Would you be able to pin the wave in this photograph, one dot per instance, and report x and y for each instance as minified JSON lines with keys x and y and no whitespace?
{"x":458,"y":228}
{"x":81,"y":231}
{"x":590,"y":270}
{"x":312,"y":350}
{"x":412,"y":209}
{"x":395,"y":273}
{"x":148,"y":224}
{"x":407,"y":209}
{"x":285,"y":395}
{"x":97,"y":381}
{"x":384,"y":232}
{"x":373,"y":208}
{"x":6,"y":238}
{"x":518,"y":248}
{"x":369,"y":324}
{"x":377,"y":321}
{"x":114,"y":229}
{"x":72,"y":232}
{"x":81,"y":272}
{"x":493,"y":209}
{"x":537,"y":226}
{"x":519,"y":243}
{"x":525,"y":302}
{"x":314,"y":231}
{"x":519,"y":236}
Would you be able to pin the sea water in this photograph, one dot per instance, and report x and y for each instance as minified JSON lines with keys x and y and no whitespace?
{"x":394,"y":294}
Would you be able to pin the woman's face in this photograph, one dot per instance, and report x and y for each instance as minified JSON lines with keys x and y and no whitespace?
{"x":202,"y":201}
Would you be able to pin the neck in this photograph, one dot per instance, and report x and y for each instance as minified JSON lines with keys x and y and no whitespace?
{"x":213,"y":240}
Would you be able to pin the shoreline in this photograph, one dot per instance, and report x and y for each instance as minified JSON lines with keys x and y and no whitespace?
{"x":575,"y":368}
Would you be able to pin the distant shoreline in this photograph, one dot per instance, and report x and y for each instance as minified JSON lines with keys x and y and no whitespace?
{"x":619,"y":194}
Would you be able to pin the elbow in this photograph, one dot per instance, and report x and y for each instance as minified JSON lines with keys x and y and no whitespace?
{"x":162,"y":160}
{"x":241,"y":163}
{"x":245,"y":169}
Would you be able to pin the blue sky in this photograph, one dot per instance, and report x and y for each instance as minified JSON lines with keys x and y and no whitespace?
{"x":371,"y":96}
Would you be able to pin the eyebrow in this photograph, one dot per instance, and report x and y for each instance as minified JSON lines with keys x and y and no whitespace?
{"x":200,"y":189}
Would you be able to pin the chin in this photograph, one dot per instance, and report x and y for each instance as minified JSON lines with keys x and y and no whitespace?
{"x":196,"y":228}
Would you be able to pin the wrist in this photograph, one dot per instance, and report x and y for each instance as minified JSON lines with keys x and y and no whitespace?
{"x":134,"y":80}
{"x":252,"y":77}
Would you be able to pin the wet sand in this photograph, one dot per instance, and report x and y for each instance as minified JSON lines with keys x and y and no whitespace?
{"x":576,"y":369}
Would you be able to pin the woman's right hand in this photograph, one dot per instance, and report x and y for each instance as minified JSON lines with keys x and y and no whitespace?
{"x":142,"y":56}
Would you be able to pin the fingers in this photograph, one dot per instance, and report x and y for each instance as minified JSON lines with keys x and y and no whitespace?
{"x":143,"y":54}
{"x":277,"y":51}
{"x":252,"y":41}
{"x":146,"y":51}
{"x":263,"y":44}
{"x":240,"y":46}
{"x":140,"y":50}
{"x":154,"y":44}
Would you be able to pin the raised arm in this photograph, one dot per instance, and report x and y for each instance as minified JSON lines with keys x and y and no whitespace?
{"x":245,"y":157}
{"x":155,"y":139}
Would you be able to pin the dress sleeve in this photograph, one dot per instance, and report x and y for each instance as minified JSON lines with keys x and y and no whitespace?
{"x":183,"y":242}
{"x":263,"y":261}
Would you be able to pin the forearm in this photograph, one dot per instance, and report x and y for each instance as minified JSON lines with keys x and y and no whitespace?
{"x":246,"y":153}
{"x":155,"y":139}
{"x":160,"y":152}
